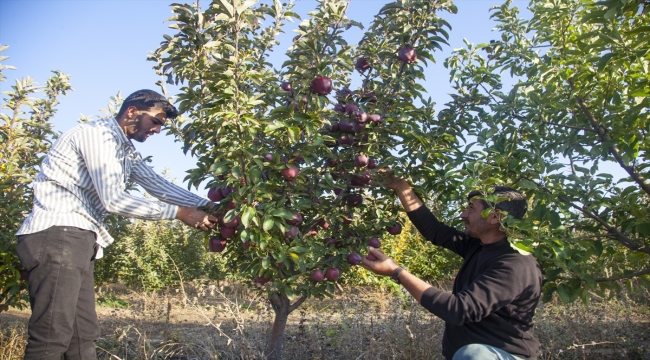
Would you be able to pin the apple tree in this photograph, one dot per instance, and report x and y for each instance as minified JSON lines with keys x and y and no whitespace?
{"x":553,"y":102}
{"x":288,"y":154}
{"x":25,"y":136}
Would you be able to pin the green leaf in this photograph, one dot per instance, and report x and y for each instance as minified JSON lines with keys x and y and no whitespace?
{"x":241,"y":8}
{"x":527,"y":184}
{"x":283,"y":214}
{"x":294,"y":134}
{"x":268,"y":223}
{"x":228,"y":7}
{"x":564,"y":293}
{"x":247,"y":216}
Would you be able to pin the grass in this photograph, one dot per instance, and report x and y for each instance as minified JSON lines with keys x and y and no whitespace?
{"x":234,"y":322}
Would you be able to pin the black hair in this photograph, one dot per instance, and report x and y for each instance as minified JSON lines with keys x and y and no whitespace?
{"x":148,"y":99}
{"x":516,"y":206}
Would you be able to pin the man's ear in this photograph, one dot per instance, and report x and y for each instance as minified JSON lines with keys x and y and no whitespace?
{"x":131,"y":112}
{"x":495,"y":218}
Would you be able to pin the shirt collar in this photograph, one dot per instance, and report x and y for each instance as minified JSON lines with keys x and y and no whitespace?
{"x":112,"y":122}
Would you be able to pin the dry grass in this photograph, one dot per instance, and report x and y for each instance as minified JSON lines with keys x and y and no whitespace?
{"x":232,"y":322}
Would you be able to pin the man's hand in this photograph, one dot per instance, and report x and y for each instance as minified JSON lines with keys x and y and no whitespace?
{"x":196,"y":218}
{"x":387,"y":178}
{"x":382,"y":266}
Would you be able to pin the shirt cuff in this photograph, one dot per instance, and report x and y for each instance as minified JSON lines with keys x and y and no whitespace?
{"x":169,"y":212}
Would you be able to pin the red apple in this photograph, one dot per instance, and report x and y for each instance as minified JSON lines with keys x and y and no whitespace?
{"x":298,"y":159}
{"x":332,"y":274}
{"x":286,"y":86}
{"x":225,"y":191}
{"x":344,"y":93}
{"x":231,"y":205}
{"x":353,"y":259}
{"x":362,"y":64}
{"x":407,"y":54}
{"x":232,"y":223}
{"x":339,"y":108}
{"x":338,"y":173}
{"x":321,"y":85}
{"x":369,"y":97}
{"x":350,"y":108}
{"x":290,"y":173}
{"x":322,"y":223}
{"x":358,"y":127}
{"x":214,"y":194}
{"x":355,"y":199}
{"x":347,"y":218}
{"x":227,"y":232}
{"x":363,"y":138}
{"x":375,"y":119}
{"x":317,"y":275}
{"x":297,"y":219}
{"x":337,"y":191}
{"x":361,"y":160}
{"x":360,"y":116}
{"x":345,"y":140}
{"x":395,"y":229}
{"x":313,"y":231}
{"x":330,"y":241}
{"x":217,"y":244}
{"x":292,"y":232}
{"x":374,"y":242}
{"x":246,"y":244}
{"x":345,"y":126}
{"x":268,"y":158}
{"x":262,"y":279}
{"x":372,"y":164}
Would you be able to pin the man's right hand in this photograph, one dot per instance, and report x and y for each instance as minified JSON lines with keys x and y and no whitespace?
{"x":387,"y":178}
{"x":196,"y":218}
{"x":406,"y":195}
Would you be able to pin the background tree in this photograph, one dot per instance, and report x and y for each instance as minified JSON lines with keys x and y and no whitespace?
{"x":287,"y":152}
{"x":25,"y":136}
{"x":579,"y":100}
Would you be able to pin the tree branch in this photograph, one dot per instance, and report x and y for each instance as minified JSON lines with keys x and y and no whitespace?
{"x":613,"y":149}
{"x":619,"y":236}
{"x":298,"y":302}
{"x":622,"y":277}
{"x":521,"y":118}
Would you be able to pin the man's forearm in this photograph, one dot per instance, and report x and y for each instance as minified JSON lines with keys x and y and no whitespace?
{"x":407,"y":196}
{"x":413,"y":284}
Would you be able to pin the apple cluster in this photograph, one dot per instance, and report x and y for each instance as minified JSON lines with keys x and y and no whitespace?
{"x":351,"y":131}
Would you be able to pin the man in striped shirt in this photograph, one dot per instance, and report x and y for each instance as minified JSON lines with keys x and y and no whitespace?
{"x":83,"y":178}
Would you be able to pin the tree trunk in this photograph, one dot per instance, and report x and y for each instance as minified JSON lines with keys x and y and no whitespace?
{"x":282,"y":307}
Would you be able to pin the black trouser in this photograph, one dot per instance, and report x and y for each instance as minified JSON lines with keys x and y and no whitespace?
{"x":60,"y":261}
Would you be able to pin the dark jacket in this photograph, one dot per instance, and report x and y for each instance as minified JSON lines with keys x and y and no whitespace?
{"x":495,"y":292}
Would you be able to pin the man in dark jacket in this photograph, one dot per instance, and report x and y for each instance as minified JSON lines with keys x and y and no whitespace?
{"x":489,"y":313}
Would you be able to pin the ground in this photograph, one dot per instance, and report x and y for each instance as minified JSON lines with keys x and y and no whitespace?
{"x":210,"y":321}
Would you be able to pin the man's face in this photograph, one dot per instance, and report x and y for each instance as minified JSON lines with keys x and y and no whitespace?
{"x":145,"y":123}
{"x":475,"y":224}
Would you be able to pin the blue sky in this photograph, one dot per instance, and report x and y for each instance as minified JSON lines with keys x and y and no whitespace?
{"x":103,"y":46}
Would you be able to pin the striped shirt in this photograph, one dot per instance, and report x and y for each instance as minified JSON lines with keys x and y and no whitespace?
{"x":84,"y":177}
